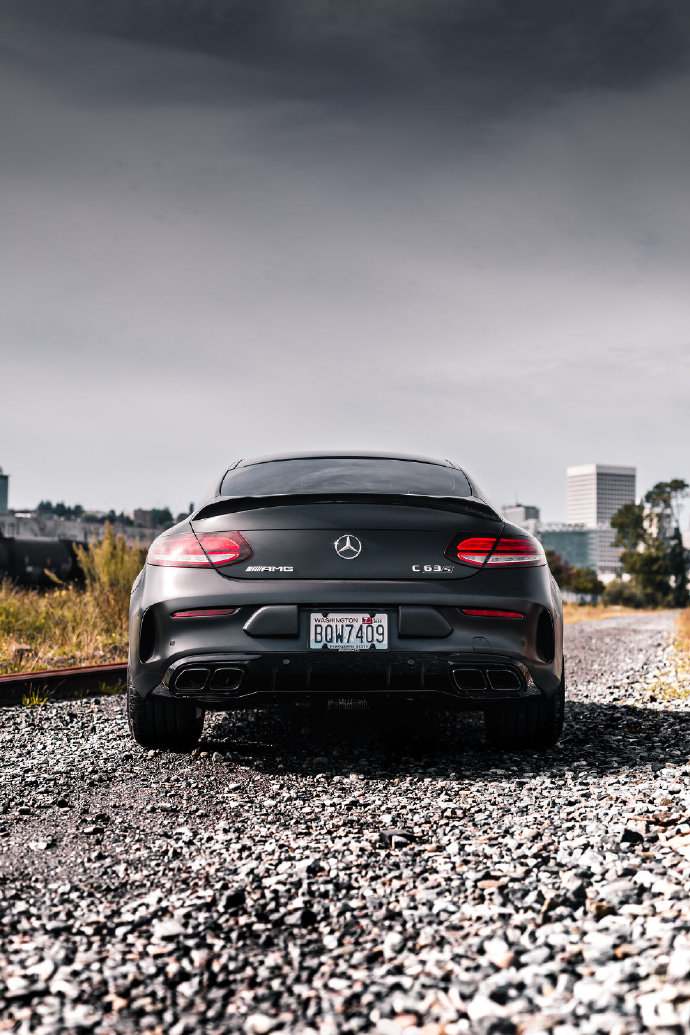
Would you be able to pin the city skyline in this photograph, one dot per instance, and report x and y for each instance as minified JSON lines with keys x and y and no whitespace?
{"x":544,"y":518}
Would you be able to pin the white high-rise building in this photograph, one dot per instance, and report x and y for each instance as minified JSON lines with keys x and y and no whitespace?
{"x":595,"y":493}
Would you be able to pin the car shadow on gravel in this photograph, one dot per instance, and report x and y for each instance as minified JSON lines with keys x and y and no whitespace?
{"x":608,"y":738}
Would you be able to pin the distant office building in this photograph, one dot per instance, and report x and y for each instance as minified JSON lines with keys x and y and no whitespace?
{"x":4,"y":492}
{"x":575,"y":544}
{"x":524,"y":516}
{"x":583,"y":547}
{"x":518,"y":513}
{"x":140,"y":517}
{"x":597,"y":491}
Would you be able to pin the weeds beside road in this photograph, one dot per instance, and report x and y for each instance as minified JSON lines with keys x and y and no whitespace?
{"x":573,"y":613}
{"x":683,"y":631}
{"x":71,"y":625}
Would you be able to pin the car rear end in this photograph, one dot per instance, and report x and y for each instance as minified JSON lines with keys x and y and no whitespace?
{"x":369,"y":599}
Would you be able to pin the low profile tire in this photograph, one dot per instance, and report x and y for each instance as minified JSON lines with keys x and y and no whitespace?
{"x":161,"y":722}
{"x":536,"y":722}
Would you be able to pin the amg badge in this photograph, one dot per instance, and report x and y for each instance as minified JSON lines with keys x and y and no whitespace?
{"x":270,"y":567}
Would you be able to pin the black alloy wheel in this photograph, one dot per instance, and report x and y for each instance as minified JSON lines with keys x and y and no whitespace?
{"x":536,"y":722}
{"x":161,"y":722}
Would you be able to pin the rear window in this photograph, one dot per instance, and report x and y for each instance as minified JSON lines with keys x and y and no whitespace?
{"x":347,"y":475}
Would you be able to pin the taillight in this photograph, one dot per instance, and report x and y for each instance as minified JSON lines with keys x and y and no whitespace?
{"x":520,"y":551}
{"x":504,"y":552}
{"x":208,"y":550}
{"x":471,"y":551}
{"x":225,"y":547}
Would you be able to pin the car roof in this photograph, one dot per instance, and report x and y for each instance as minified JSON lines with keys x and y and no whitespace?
{"x":350,"y":454}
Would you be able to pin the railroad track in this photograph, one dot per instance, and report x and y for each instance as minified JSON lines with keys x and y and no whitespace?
{"x":60,"y":682}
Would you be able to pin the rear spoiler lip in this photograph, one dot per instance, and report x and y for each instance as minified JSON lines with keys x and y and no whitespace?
{"x":471,"y":505}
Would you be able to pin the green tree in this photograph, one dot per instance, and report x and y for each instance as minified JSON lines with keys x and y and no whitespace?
{"x":560,"y":569}
{"x":622,"y":593}
{"x":653,"y":554}
{"x":629,"y":524}
{"x":161,"y":517}
{"x":678,"y":565}
{"x":585,"y":581}
{"x":665,"y":498}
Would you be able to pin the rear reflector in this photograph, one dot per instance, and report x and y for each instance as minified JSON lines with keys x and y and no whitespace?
{"x":205,"y":612}
{"x":207,"y":550}
{"x":489,"y":612}
{"x":480,"y":550}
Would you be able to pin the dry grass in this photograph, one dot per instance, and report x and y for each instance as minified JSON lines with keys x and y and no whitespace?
{"x":62,"y":627}
{"x":672,"y":686}
{"x":70,"y":625}
{"x":683,"y":631}
{"x":587,"y":612}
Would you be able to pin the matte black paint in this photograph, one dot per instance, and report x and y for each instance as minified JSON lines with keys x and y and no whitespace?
{"x":267,"y":636}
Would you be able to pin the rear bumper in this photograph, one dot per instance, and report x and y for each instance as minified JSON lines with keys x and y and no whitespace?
{"x":450,"y":679}
{"x":429,"y":637}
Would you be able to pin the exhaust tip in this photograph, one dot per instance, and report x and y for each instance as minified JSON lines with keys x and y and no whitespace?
{"x":226,"y":678}
{"x":504,"y":679}
{"x":469,"y":679}
{"x":192,"y":679}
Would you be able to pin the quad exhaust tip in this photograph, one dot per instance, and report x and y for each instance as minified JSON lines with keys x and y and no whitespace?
{"x":469,"y":679}
{"x":196,"y":679}
{"x":192,"y":679}
{"x":503,"y":679}
{"x":226,"y":677}
{"x":478,"y":680}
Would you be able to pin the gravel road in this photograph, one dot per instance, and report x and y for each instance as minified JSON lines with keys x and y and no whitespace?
{"x":349,"y":878}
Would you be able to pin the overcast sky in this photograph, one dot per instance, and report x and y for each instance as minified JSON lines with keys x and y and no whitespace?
{"x":459,"y":229}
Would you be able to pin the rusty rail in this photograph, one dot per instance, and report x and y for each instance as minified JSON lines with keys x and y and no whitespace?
{"x":60,"y":682}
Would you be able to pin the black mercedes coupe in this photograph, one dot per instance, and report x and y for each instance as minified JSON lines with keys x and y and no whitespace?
{"x":348,"y":580}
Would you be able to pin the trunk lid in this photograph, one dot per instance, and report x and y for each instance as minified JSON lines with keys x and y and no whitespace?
{"x":345,"y":540}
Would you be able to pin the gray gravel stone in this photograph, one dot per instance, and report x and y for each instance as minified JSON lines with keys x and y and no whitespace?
{"x":326,"y":876}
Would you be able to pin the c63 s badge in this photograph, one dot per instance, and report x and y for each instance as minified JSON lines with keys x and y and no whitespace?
{"x":432,"y":569}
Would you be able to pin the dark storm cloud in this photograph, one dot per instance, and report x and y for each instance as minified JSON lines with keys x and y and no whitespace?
{"x":433,"y":227}
{"x":415,"y":51}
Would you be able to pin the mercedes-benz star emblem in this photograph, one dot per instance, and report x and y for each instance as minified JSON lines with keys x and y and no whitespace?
{"x":348,"y":547}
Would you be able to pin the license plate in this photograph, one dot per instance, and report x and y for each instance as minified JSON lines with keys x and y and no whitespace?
{"x":338,"y":631}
